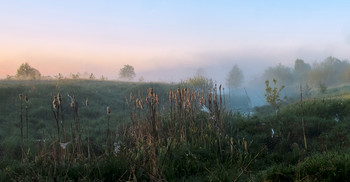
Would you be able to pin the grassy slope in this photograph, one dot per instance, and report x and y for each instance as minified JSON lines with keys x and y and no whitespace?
{"x":100,"y":94}
{"x":284,"y":160}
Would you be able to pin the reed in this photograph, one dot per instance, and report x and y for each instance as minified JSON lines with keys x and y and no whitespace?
{"x":21,"y":124}
{"x":155,"y":131}
{"x":108,"y":109}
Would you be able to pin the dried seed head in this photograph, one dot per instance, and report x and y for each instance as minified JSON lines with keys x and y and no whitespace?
{"x":156,"y":98}
{"x":26,"y":99}
{"x":59,"y":98}
{"x":108,"y":110}
{"x":54,"y":102}
{"x":72,"y":105}
{"x":140,"y":104}
{"x":20,"y":96}
{"x":150,"y":92}
{"x":87,"y":102}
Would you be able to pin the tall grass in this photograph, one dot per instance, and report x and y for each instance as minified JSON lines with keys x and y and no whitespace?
{"x":182,"y":135}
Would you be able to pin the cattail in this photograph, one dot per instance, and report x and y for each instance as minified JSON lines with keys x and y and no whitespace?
{"x":26,"y":99}
{"x":54,"y":102}
{"x":87,"y":102}
{"x":157,"y":99}
{"x":72,"y":105}
{"x":140,"y":104}
{"x":245,"y":145}
{"x":150,"y":92}
{"x":59,"y":98}
{"x":108,"y":110}
{"x":137,"y":102}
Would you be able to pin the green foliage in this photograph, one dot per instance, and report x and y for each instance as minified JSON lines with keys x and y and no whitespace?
{"x":173,"y":141}
{"x":283,"y":73}
{"x":332,"y":166}
{"x":198,"y":83}
{"x":329,"y":72}
{"x":127,"y":72}
{"x":272,"y":95}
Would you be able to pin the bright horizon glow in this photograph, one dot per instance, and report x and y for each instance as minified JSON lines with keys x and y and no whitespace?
{"x":169,"y":40}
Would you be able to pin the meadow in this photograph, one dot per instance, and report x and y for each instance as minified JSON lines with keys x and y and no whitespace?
{"x":85,"y":130}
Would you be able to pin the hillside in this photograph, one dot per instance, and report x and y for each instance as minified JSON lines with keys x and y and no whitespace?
{"x":151,"y":135}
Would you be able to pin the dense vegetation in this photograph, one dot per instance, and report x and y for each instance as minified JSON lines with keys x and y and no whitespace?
{"x":114,"y":131}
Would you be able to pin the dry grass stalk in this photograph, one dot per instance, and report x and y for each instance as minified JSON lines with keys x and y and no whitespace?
{"x":108,"y":109}
{"x":21,"y":124}
{"x":27,"y":138}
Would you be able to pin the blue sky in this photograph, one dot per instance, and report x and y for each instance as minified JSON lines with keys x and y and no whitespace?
{"x":160,"y":38}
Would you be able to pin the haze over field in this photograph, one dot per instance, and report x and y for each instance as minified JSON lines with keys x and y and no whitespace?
{"x":169,"y":40}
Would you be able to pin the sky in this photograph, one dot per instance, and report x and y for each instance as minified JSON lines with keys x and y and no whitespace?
{"x":169,"y":40}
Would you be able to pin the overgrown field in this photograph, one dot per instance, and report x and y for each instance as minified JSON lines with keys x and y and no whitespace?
{"x":110,"y":131}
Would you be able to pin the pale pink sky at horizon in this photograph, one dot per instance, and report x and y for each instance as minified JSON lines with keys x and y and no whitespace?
{"x":168,"y":41}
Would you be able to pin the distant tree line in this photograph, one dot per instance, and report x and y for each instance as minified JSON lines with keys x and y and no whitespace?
{"x":27,"y":72}
{"x":330,"y":71}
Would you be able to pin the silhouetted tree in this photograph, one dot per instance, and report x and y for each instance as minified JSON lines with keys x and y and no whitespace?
{"x":235,"y":77}
{"x":328,"y":72}
{"x":127,"y":72}
{"x":198,"y":83}
{"x":234,"y":80}
{"x":25,"y":71}
{"x":280,"y":72}
{"x":301,"y":70}
{"x":92,"y":76}
{"x":75,"y":76}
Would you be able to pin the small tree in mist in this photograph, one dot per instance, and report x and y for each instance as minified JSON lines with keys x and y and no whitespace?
{"x":234,"y":79}
{"x":283,"y":73}
{"x":25,"y":71}
{"x":127,"y":72}
{"x":198,"y":83}
{"x":92,"y":76}
{"x":59,"y":76}
{"x":141,"y":79}
{"x":75,"y":76}
{"x":272,"y":95}
{"x":103,"y":78}
{"x":301,"y":70}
